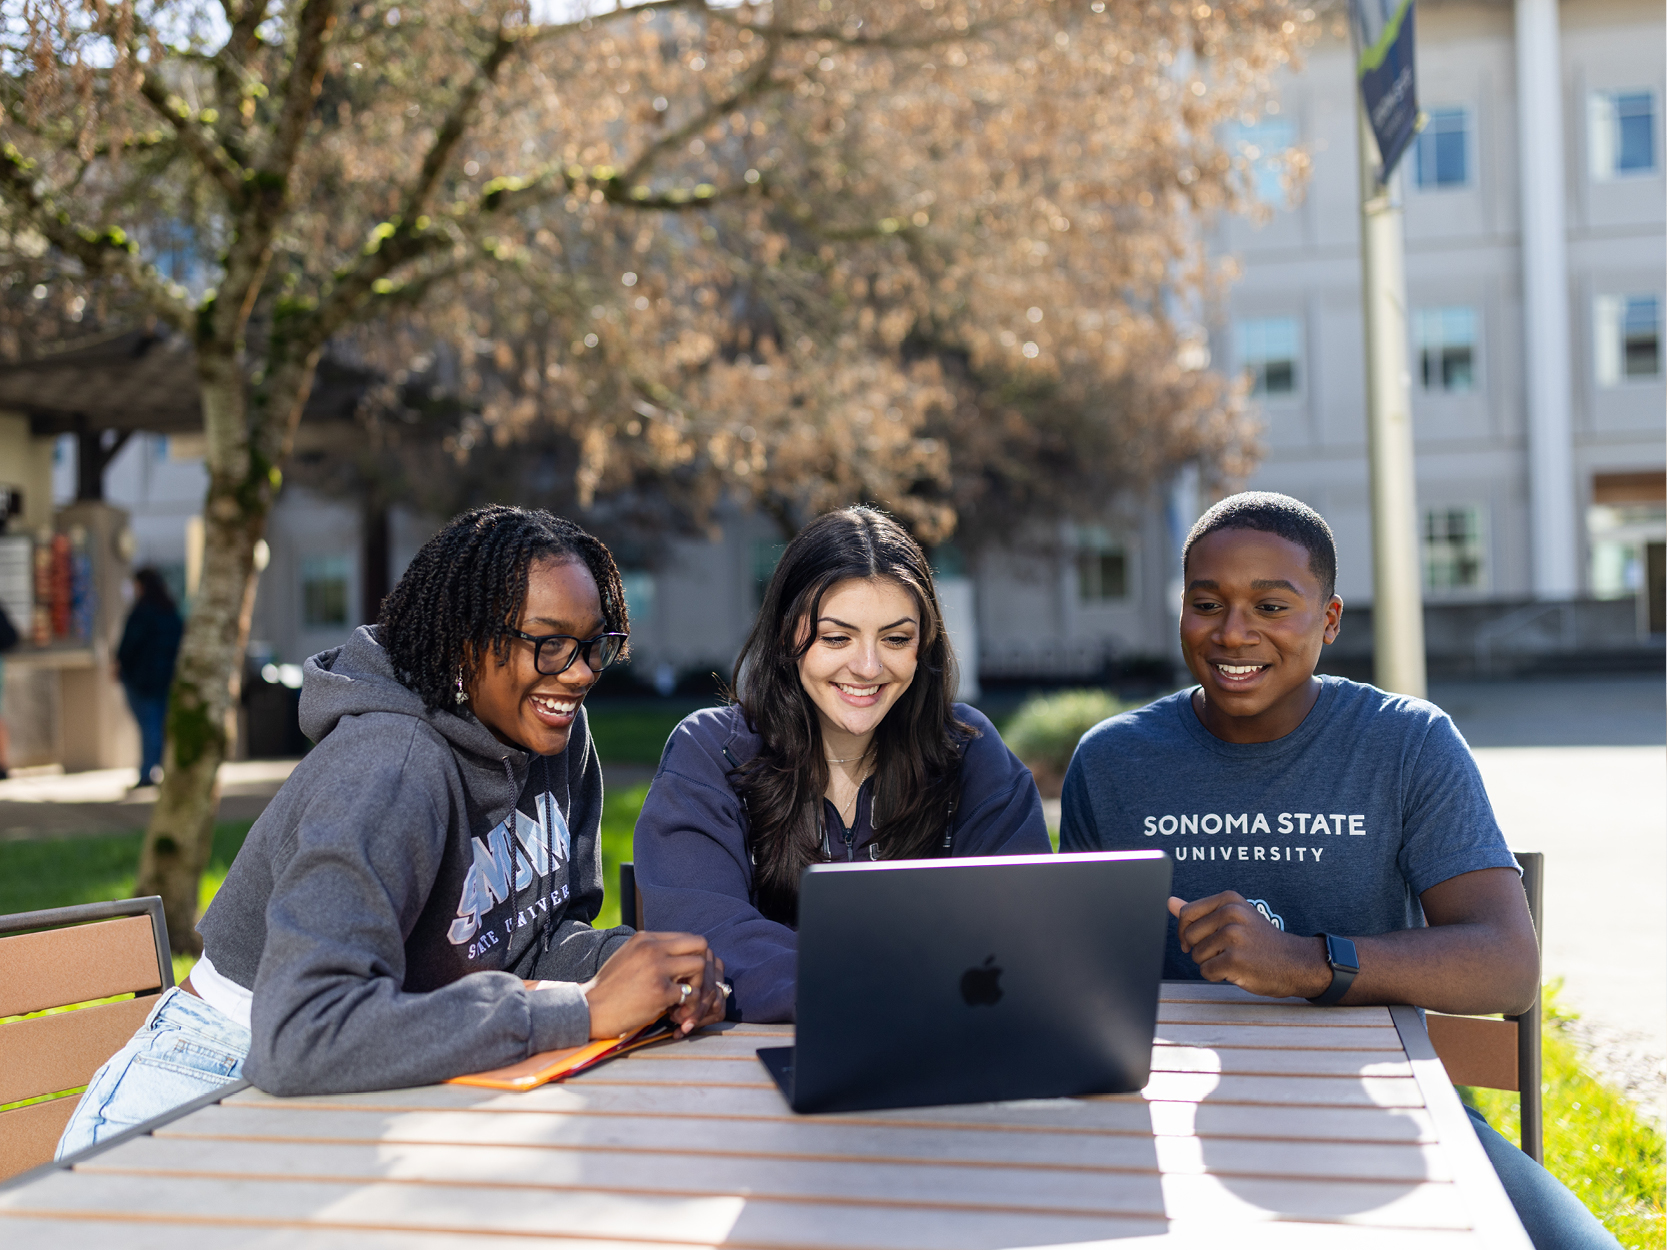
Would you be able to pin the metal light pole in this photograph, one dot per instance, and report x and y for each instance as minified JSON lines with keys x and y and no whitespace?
{"x":1397,"y":584}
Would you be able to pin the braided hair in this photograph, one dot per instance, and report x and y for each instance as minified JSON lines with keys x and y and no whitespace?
{"x":468,"y":585}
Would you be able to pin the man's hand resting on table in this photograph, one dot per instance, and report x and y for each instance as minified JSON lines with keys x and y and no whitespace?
{"x":1230,"y":940}
{"x":1476,"y":955}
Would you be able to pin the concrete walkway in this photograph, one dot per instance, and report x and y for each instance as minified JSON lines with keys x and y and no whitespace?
{"x":1599,"y":814}
{"x":47,"y":803}
{"x":1577,"y":769}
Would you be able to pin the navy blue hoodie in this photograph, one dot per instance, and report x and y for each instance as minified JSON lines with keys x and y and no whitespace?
{"x":692,"y":865}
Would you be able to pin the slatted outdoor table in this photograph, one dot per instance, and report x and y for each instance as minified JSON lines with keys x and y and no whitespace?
{"x":1266,"y":1123}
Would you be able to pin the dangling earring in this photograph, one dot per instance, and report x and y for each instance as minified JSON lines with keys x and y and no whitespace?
{"x":462,"y":695}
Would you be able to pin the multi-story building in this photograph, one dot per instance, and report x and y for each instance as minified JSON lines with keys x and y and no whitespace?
{"x":1534,"y":213}
{"x":1535,"y":350}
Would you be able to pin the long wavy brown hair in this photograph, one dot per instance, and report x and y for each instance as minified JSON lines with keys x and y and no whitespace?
{"x":917,"y":747}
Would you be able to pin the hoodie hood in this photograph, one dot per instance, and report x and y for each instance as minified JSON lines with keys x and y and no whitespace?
{"x":358,"y":677}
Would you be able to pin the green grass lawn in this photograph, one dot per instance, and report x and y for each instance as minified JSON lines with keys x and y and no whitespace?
{"x":37,"y":875}
{"x":62,"y":873}
{"x":1596,"y":1143}
{"x":619,"y":818}
{"x":632,"y":731}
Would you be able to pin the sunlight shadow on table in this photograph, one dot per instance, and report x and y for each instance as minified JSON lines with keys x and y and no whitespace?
{"x":974,"y":1177}
{"x":1320,"y":1148}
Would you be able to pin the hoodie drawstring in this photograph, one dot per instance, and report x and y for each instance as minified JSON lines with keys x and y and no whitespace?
{"x":544,"y":823}
{"x":514,"y":840}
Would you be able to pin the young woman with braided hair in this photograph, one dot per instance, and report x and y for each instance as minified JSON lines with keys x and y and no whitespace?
{"x":844,"y":743}
{"x":416,"y":902}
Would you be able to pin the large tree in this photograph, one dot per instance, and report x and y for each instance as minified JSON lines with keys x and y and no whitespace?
{"x":928,"y":252}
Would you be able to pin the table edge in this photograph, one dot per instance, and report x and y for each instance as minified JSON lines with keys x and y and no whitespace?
{"x":1497,"y":1224}
{"x":68,"y":1162}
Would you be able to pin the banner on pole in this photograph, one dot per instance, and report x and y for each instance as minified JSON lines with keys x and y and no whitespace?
{"x":1383,"y":36}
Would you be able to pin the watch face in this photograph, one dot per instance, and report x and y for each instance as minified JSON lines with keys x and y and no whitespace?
{"x":1341,"y":953}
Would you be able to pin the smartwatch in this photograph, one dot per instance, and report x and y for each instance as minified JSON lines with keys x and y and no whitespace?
{"x":1345,"y":966}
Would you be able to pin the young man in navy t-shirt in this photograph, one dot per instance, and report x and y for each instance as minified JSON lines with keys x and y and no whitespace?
{"x":1298,"y":806}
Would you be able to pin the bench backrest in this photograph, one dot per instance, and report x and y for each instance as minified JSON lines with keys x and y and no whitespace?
{"x":58,"y":958}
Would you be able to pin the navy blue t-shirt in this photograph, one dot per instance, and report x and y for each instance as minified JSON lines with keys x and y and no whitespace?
{"x":1337,"y":827}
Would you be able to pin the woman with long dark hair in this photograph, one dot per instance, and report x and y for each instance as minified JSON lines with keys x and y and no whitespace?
{"x":844,"y":742}
{"x":417,"y":902}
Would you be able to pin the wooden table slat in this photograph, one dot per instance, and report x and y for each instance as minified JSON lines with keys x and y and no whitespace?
{"x":1228,"y":1035}
{"x":1067,"y":1116}
{"x":1248,"y":1061}
{"x":866,"y":1144}
{"x":1247,"y":1015}
{"x":651,"y":1205}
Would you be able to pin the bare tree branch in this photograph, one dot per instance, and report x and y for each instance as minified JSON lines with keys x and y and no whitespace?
{"x":754,"y":84}
{"x":306,"y":78}
{"x":410,"y":236}
{"x":455,"y":126}
{"x":806,"y":218}
{"x":245,"y":20}
{"x":231,"y":69}
{"x":198,"y":140}
{"x":101,"y":252}
{"x":267,"y":188}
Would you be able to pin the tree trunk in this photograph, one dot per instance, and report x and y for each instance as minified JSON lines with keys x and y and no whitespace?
{"x":208,"y":677}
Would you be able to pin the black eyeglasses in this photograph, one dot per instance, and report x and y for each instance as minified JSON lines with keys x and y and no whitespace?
{"x":563,"y":649}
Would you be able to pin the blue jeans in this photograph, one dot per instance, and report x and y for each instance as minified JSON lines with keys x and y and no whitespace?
{"x":184,"y":1049}
{"x":1554,"y":1217}
{"x":151,"y":711}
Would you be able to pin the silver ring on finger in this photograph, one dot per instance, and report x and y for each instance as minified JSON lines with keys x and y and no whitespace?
{"x":683,"y":991}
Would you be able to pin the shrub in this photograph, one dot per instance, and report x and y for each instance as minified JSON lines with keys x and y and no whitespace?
{"x":1045,"y":731}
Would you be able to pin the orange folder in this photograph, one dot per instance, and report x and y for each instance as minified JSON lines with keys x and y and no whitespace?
{"x":554,"y":1065}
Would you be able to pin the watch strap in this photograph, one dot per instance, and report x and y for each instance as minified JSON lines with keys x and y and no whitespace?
{"x":1340,"y":953}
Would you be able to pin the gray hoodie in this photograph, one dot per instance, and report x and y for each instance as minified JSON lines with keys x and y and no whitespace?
{"x":371,"y":910}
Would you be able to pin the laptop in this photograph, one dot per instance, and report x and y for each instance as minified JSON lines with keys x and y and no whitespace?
{"x":975,"y":980}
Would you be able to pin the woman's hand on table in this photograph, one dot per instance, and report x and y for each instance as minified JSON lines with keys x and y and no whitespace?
{"x":706,"y":1002}
{"x":645,"y":978}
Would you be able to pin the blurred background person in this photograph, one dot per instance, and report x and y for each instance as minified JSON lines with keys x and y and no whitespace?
{"x":145,"y":665}
{"x":8,"y":640}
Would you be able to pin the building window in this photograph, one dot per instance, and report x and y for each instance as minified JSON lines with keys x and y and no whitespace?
{"x":324,"y":591}
{"x":1267,"y":349}
{"x":1442,"y":158}
{"x":1263,"y":147}
{"x":1453,"y":548}
{"x":1627,"y":334}
{"x":1621,"y":129}
{"x":1446,"y":339}
{"x":1102,"y":566}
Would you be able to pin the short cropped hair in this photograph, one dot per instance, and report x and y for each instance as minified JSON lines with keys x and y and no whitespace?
{"x":1272,"y":513}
